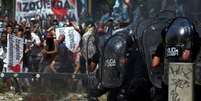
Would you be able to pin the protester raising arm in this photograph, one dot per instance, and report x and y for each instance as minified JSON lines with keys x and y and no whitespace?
{"x":50,"y":50}
{"x":35,"y":37}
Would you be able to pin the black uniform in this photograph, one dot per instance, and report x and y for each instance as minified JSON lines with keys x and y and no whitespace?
{"x":125,"y":81}
{"x":179,"y":36}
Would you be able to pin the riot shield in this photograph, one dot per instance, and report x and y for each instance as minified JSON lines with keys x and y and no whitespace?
{"x":195,"y":17}
{"x":151,"y":37}
{"x":112,"y":64}
{"x":198,"y":69}
{"x":198,"y":58}
{"x":194,"y":14}
{"x":139,"y":32}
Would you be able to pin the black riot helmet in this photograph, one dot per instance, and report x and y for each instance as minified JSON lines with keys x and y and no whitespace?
{"x":179,"y":36}
{"x":180,"y":30}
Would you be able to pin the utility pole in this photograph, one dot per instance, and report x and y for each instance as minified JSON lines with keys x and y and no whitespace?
{"x":90,"y":7}
{"x":14,"y":9}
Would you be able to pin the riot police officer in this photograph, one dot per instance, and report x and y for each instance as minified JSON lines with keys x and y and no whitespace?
{"x":121,"y":70}
{"x":180,"y":43}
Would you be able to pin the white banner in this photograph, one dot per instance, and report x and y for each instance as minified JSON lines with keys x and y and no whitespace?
{"x":31,"y":8}
{"x":15,"y":47}
{"x":72,"y":37}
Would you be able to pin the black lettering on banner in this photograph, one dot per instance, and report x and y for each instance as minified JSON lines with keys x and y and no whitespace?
{"x":61,"y":4}
{"x":47,"y":4}
{"x":39,"y":4}
{"x":66,"y":5}
{"x":58,"y":4}
{"x":43,"y":3}
{"x":71,"y":15}
{"x":19,"y":6}
{"x":32,"y":6}
{"x":25,"y":6}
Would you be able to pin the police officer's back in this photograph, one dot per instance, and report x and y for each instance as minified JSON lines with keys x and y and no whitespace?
{"x":180,"y":43}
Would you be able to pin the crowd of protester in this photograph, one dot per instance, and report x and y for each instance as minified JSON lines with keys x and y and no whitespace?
{"x":43,"y":52}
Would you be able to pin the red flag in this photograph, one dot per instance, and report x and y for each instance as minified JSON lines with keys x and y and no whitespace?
{"x":16,"y":68}
{"x":59,"y":11}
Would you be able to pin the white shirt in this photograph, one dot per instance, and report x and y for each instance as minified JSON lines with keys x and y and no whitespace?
{"x":35,"y":38}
